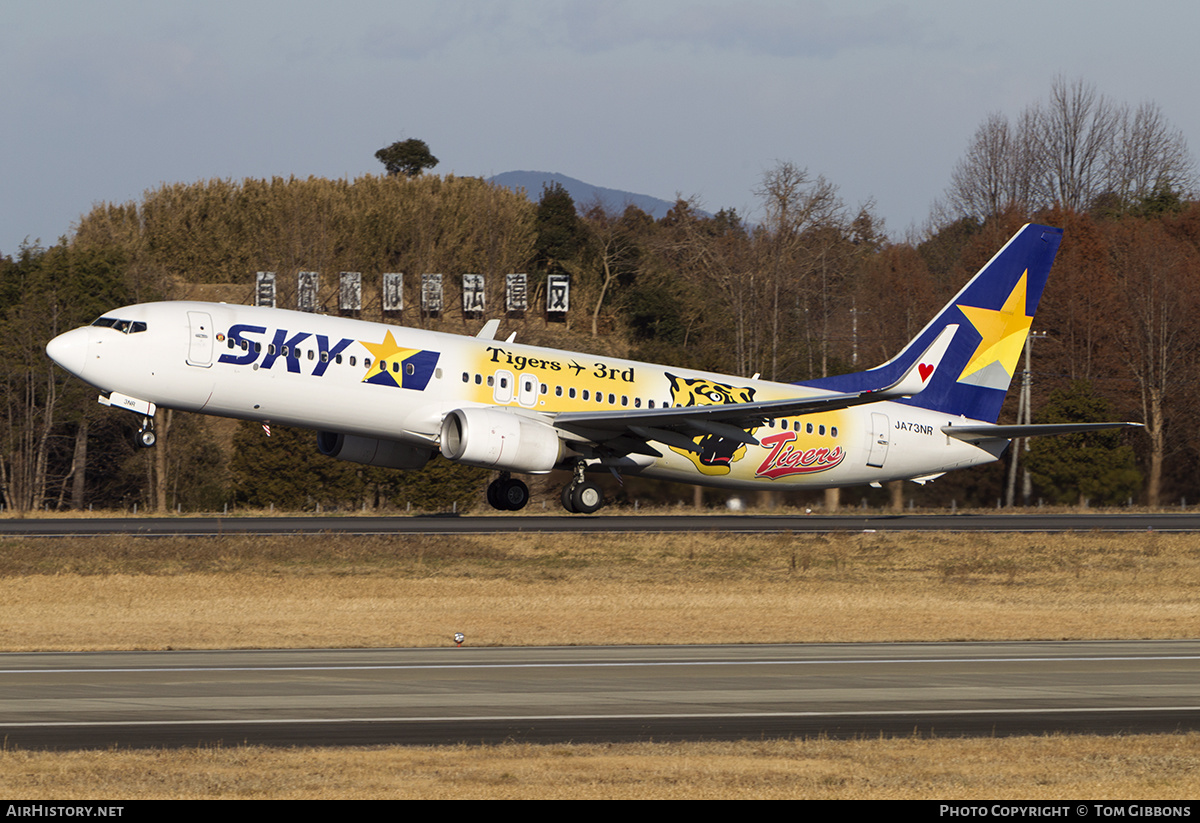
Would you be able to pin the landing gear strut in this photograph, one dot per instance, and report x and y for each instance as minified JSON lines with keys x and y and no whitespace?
{"x":146,"y":436}
{"x":507,"y":494}
{"x":582,"y":496}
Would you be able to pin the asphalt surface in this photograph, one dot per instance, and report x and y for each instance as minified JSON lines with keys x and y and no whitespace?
{"x":427,"y":696}
{"x":582,"y":524}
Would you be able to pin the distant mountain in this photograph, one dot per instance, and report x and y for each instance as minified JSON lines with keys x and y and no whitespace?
{"x":584,"y":194}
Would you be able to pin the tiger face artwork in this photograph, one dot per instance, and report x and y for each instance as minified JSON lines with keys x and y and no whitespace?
{"x":716,"y":453}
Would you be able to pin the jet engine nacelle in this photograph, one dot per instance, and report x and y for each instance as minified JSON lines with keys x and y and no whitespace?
{"x":497,"y":439}
{"x":367,"y":450}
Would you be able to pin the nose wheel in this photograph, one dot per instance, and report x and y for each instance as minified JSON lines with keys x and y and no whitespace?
{"x":146,"y":436}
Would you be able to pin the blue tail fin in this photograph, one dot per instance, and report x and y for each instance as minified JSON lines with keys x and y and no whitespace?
{"x":994,"y":312}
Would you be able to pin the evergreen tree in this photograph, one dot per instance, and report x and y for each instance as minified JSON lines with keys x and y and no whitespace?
{"x":1092,"y":466}
{"x":407,"y":157}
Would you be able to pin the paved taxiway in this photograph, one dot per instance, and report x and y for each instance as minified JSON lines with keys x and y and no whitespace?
{"x":421,"y":696}
{"x":579,"y":524}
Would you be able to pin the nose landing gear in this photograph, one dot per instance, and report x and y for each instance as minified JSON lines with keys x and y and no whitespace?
{"x":146,"y":437}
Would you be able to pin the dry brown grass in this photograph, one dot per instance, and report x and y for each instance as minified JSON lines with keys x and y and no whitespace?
{"x":122,"y":593}
{"x":1031,"y":768}
{"x":131,"y":593}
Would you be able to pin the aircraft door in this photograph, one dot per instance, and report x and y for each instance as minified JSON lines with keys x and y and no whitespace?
{"x":527,"y":396}
{"x":502,"y":389}
{"x":879,"y":440}
{"x":200,"y":339}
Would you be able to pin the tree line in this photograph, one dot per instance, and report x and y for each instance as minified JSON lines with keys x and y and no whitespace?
{"x":813,"y":287}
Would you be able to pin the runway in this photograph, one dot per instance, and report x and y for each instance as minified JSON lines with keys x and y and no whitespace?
{"x":427,"y":696}
{"x":579,"y":524}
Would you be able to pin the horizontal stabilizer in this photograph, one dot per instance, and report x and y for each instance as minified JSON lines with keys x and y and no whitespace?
{"x":972,"y":434}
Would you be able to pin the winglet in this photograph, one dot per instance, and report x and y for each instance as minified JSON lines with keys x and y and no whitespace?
{"x":488,"y":332}
{"x":922,"y":370}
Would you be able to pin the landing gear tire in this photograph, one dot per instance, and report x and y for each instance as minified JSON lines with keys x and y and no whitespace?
{"x":507,"y":494}
{"x":587,"y":498}
{"x":514,"y":495}
{"x":566,"y":498}
{"x":146,"y":438}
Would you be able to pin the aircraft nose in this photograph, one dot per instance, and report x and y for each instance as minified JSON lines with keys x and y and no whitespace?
{"x":70,"y":350}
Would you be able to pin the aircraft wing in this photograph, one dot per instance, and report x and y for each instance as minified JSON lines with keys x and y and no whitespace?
{"x":629,"y":430}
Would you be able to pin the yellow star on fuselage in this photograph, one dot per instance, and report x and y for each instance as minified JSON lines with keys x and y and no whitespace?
{"x":1003,"y":331}
{"x":386,"y":352}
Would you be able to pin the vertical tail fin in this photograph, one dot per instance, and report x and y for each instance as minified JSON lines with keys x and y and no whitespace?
{"x":994,"y":312}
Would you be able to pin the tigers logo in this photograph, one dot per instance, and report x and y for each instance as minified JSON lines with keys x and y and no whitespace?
{"x":716,"y":452}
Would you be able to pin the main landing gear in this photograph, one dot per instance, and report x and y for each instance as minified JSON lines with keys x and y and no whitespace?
{"x":582,"y":496}
{"x":507,"y":494}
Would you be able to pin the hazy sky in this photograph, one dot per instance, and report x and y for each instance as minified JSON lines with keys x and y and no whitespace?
{"x":103,"y":100}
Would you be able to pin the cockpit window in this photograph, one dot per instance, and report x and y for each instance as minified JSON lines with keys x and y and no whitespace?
{"x":123,"y":326}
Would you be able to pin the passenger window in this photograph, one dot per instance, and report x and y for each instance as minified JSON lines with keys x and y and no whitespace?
{"x":466,"y":377}
{"x":410,"y":369}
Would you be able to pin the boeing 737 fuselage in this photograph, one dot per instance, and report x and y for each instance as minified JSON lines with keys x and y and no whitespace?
{"x":393,"y":396}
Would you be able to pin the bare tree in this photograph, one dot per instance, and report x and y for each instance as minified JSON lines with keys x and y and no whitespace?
{"x":1154,"y":333}
{"x":1075,"y":133}
{"x":998,"y":171}
{"x":1149,"y":156}
{"x":805,"y":224}
{"x":1070,"y":151}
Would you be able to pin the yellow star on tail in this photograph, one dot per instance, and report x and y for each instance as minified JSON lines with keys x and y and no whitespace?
{"x":1003,"y":331}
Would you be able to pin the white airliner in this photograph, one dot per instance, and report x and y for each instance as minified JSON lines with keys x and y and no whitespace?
{"x":393,"y":396}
